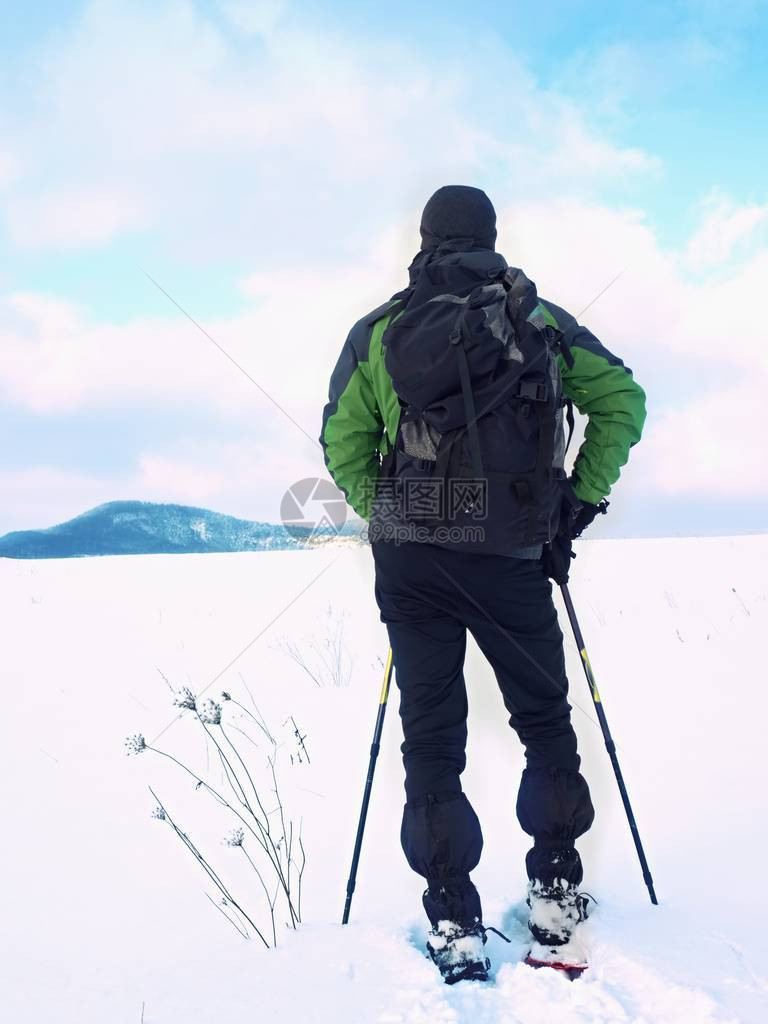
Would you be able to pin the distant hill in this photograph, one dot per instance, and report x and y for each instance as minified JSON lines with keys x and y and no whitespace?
{"x":144,"y":528}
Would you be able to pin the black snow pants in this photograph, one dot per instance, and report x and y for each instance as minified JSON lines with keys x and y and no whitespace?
{"x":429,"y":597}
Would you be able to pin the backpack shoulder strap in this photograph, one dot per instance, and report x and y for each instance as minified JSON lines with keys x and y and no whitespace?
{"x":380,"y":311}
{"x":564,"y":344}
{"x":456,"y":339}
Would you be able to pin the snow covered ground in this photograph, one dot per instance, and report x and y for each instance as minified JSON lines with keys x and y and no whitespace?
{"x":104,"y":917}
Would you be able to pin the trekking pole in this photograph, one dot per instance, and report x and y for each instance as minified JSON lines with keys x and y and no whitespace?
{"x":610,"y":746}
{"x":383,"y":697}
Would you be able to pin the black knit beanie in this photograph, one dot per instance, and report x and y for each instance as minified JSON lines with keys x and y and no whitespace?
{"x":458,"y":211}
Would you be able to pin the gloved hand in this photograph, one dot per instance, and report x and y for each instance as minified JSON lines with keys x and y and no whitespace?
{"x":575,"y":517}
{"x":584,"y":517}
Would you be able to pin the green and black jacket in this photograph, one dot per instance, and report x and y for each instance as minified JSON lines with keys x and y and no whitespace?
{"x":361,"y":418}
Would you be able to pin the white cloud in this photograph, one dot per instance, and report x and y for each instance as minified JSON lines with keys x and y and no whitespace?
{"x":40,"y":496}
{"x":8,"y":167}
{"x":290,"y":152}
{"x":257,"y":17}
{"x":189,"y":482}
{"x":724,"y":227}
{"x":616,"y":77}
{"x":713,"y":446}
{"x":232,"y":147}
{"x":694,"y":345}
{"x":54,"y":360}
{"x":73,"y":218}
{"x":244,"y":477}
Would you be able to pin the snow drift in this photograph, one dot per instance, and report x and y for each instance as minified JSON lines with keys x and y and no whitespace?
{"x":105,"y":916}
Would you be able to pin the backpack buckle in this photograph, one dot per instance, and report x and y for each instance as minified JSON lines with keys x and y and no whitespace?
{"x":534,"y":391}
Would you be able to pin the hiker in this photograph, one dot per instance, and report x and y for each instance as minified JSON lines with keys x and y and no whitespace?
{"x":445,"y":429}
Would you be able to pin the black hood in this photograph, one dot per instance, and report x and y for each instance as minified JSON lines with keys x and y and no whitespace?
{"x":459,"y":213}
{"x":457,"y":257}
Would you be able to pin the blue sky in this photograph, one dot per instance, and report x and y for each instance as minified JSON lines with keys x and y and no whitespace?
{"x":266,"y":164}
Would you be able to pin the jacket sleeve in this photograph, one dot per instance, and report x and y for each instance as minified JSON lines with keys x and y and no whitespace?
{"x":603,"y":389}
{"x":352,"y":428}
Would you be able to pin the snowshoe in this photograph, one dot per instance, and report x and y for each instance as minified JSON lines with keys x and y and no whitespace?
{"x":458,"y":951}
{"x":556,"y":910}
{"x":572,"y":971}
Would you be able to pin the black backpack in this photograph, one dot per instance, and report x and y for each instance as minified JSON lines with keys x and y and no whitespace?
{"x":478,"y":459}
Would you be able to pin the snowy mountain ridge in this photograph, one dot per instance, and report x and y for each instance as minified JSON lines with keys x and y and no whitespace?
{"x":144,"y":528}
